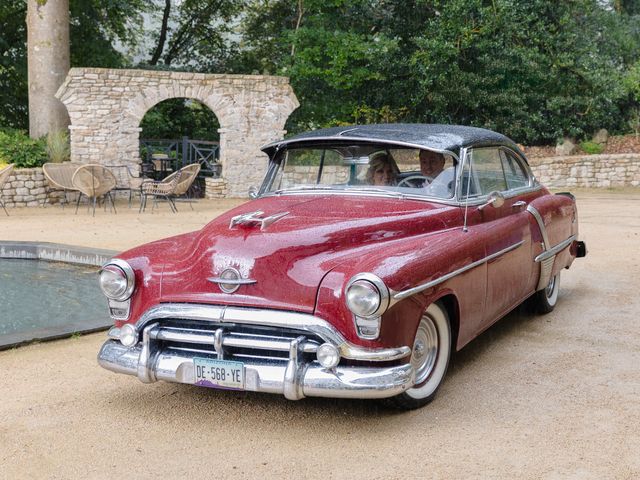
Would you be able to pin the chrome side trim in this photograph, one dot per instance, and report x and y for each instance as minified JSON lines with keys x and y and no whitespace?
{"x":412,"y":291}
{"x":555,"y":250}
{"x":271,"y":318}
{"x":231,"y":281}
{"x":543,"y":230}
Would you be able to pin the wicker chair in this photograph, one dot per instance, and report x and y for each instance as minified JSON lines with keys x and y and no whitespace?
{"x":175,"y":185}
{"x":5,"y":173}
{"x":59,"y":177}
{"x":94,"y":181}
{"x":131,"y":180}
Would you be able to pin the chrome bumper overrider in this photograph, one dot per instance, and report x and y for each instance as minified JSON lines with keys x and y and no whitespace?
{"x":293,"y":379}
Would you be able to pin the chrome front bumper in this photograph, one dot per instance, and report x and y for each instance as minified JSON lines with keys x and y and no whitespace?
{"x":293,"y":378}
{"x":278,"y":350}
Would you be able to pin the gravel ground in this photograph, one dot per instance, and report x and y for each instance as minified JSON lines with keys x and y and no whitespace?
{"x":550,"y":397}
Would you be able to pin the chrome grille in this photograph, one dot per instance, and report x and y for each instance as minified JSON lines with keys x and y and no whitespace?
{"x":229,"y":341}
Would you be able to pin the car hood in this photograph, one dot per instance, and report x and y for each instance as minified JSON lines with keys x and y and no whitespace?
{"x":287,"y":255}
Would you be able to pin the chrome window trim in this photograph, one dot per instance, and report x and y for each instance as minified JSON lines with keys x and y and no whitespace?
{"x":271,"y":318}
{"x":532,"y":179}
{"x":397,"y":296}
{"x":509,"y":193}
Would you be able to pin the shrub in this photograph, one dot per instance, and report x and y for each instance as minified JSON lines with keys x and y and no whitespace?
{"x":591,"y":148}
{"x":58,"y":146}
{"x":17,"y":147}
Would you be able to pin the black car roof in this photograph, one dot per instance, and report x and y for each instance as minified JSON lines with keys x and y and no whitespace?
{"x":437,"y":137}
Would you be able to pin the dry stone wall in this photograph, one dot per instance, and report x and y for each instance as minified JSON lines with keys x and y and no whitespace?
{"x":106,"y":107}
{"x":25,"y":188}
{"x":589,"y":171}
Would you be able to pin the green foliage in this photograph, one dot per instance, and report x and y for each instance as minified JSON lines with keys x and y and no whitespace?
{"x":13,"y":64}
{"x":534,"y":69}
{"x":592,"y":148}
{"x":17,"y":147}
{"x":178,"y":117}
{"x":58,"y":147}
{"x":94,"y":28}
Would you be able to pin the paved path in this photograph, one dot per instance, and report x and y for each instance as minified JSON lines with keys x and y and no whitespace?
{"x":550,"y":397}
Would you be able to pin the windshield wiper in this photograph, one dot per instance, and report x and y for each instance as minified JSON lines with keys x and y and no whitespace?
{"x":305,"y":187}
{"x":377,"y":190}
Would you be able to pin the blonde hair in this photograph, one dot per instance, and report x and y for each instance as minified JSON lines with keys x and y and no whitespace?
{"x":378,"y":160}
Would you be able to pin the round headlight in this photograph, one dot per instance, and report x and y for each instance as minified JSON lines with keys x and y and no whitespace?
{"x":117,"y":280}
{"x":328,"y":355}
{"x":363,"y":298}
{"x":128,"y":335}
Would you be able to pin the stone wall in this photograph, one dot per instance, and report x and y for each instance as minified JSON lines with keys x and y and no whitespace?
{"x":215,"y":188}
{"x":25,"y":188}
{"x":106,"y":107}
{"x":589,"y":171}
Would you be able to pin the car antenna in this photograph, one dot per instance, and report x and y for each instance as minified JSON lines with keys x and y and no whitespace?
{"x":466,"y":200}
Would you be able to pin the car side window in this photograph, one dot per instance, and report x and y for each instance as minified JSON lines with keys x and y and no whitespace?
{"x":515,"y":173}
{"x":487,"y":169}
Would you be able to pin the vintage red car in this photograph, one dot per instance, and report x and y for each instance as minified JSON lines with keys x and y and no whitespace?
{"x":368,"y":255}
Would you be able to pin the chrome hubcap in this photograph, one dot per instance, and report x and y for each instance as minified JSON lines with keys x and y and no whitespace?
{"x":425,"y":349}
{"x":549,"y":290}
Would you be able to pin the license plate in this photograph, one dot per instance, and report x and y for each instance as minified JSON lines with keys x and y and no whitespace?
{"x":218,"y":373}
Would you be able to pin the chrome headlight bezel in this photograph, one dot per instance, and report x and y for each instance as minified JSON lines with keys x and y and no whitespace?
{"x":377,"y":287}
{"x":118,"y":267}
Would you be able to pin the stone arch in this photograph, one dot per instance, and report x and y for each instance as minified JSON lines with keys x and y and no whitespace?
{"x":106,"y":107}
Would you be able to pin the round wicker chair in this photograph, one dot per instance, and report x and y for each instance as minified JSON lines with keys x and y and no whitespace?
{"x":94,"y":181}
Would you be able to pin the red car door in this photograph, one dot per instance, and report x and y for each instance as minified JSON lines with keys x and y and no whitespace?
{"x":504,"y":228}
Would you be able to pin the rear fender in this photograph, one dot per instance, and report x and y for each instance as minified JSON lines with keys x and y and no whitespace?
{"x":554,"y":222}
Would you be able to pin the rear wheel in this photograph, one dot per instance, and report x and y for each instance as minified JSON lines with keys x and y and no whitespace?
{"x":429,"y":358}
{"x":544,"y":301}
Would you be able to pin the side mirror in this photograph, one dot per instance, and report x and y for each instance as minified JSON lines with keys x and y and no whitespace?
{"x":496,"y":200}
{"x":253,"y":192}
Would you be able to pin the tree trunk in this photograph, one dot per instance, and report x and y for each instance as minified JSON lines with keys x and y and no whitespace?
{"x":48,"y":58}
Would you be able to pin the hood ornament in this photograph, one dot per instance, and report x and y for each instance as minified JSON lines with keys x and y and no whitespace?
{"x":230,"y":280}
{"x":255,"y":218}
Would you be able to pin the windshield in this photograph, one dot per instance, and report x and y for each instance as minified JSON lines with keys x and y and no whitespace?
{"x":364,"y":167}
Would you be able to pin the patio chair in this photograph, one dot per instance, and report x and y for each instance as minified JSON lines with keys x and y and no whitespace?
{"x":5,"y":173}
{"x":59,"y":177}
{"x":189,"y":174}
{"x":160,"y":189}
{"x":132,"y":180}
{"x":94,"y":181}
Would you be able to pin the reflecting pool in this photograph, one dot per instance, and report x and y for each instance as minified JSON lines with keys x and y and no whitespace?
{"x":40,"y":299}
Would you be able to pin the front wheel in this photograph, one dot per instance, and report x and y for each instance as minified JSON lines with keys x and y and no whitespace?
{"x":429,"y":358}
{"x":544,"y":301}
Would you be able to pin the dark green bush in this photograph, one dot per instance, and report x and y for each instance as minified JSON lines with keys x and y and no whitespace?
{"x":18,"y":148}
{"x":591,"y":148}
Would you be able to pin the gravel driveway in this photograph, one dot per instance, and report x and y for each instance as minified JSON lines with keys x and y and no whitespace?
{"x":548,"y":397}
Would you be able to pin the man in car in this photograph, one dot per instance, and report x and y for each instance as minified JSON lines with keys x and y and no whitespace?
{"x":438,"y":182}
{"x":431,"y":164}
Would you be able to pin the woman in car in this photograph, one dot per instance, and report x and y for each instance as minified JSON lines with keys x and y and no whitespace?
{"x":382,"y":170}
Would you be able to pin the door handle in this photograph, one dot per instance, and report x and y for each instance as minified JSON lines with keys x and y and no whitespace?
{"x":520,"y":204}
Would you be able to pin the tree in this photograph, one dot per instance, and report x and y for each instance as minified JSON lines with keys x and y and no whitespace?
{"x":48,"y":63}
{"x":534,"y":69}
{"x":195,"y":33}
{"x":13,"y":65}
